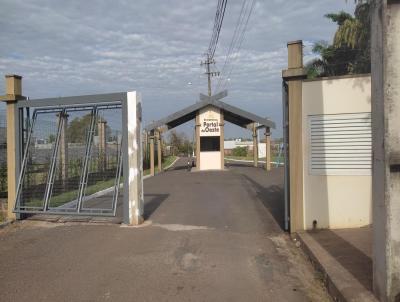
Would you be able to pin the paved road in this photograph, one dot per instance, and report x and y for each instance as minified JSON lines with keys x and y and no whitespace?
{"x":209,"y":236}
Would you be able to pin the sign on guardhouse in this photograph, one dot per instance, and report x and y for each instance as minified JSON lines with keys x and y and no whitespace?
{"x":210,"y":122}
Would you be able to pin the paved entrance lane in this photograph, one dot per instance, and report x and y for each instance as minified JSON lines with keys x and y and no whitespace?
{"x":209,"y":236}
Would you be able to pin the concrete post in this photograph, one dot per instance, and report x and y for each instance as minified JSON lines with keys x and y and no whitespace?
{"x":385,"y":55}
{"x":63,"y":150}
{"x":159,"y":151}
{"x":255,"y":145}
{"x":101,"y":126}
{"x":198,"y":141}
{"x":268,"y":149}
{"x":13,"y":94}
{"x":222,"y":139}
{"x":152,"y":154}
{"x":132,"y":160}
{"x":294,"y":76}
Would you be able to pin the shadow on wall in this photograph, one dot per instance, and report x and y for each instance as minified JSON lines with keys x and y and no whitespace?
{"x":316,"y":205}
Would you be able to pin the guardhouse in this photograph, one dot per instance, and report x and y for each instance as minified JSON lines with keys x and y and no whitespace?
{"x":210,"y":114}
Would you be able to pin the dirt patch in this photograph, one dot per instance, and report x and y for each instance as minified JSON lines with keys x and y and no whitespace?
{"x":311,"y":281}
{"x":3,"y":209}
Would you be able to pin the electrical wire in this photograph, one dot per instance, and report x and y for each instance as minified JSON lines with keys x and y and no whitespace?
{"x":237,"y":41}
{"x":219,"y":18}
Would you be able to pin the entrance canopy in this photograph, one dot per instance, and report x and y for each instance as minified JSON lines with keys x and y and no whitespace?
{"x":230,"y":113}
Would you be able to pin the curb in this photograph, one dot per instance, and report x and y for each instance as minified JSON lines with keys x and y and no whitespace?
{"x":173,"y":163}
{"x":340,"y":284}
{"x":165,"y":169}
{"x":250,"y":161}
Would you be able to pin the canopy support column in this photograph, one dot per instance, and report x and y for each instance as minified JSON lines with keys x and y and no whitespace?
{"x":197,"y":141}
{"x":268,"y":149}
{"x":159,"y":151}
{"x":255,"y":145}
{"x":221,"y":140}
{"x":152,"y":153}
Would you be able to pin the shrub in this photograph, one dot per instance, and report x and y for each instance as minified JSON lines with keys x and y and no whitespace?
{"x":240,"y":151}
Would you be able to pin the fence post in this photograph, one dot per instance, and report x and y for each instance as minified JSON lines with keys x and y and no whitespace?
{"x":13,"y":94}
{"x":294,"y":76}
{"x":101,"y":126}
{"x":63,"y":150}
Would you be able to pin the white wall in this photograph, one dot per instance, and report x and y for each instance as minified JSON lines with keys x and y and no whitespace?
{"x":335,"y":201}
{"x":210,"y":160}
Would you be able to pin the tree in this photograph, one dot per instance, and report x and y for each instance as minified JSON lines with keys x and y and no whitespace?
{"x":52,"y":138}
{"x":179,"y":143}
{"x":78,"y":127}
{"x":350,"y":51}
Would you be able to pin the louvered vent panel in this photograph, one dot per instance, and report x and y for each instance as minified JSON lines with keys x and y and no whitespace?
{"x":340,"y":144}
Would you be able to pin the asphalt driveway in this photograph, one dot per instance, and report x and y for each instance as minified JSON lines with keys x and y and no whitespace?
{"x":208,"y":236}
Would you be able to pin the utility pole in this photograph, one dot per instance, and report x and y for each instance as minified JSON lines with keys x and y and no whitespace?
{"x":209,"y":60}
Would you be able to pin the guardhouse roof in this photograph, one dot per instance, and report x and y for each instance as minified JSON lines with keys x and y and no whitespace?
{"x":231,"y":113}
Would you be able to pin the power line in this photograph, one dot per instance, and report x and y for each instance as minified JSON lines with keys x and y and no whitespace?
{"x":233,"y":41}
{"x":219,"y":18}
{"x":237,"y":39}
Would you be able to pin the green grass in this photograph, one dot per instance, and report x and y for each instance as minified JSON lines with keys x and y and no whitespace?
{"x":60,"y":199}
{"x":167,"y":161}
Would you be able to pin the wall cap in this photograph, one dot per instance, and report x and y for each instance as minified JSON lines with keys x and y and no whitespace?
{"x":347,"y":76}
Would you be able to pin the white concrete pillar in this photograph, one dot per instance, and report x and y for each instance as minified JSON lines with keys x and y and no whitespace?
{"x":133,"y":161}
{"x":385,"y":53}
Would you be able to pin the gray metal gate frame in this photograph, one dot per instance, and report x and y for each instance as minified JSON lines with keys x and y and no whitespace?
{"x":61,"y":104}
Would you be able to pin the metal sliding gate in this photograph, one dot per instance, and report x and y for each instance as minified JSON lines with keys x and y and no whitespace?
{"x":71,"y":155}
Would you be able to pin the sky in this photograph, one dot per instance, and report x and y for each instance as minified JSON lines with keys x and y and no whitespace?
{"x":75,"y":47}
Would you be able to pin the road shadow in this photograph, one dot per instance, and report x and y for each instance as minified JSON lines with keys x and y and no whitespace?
{"x":349,"y":256}
{"x":151,"y":205}
{"x":177,"y":168}
{"x":272,"y":197}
